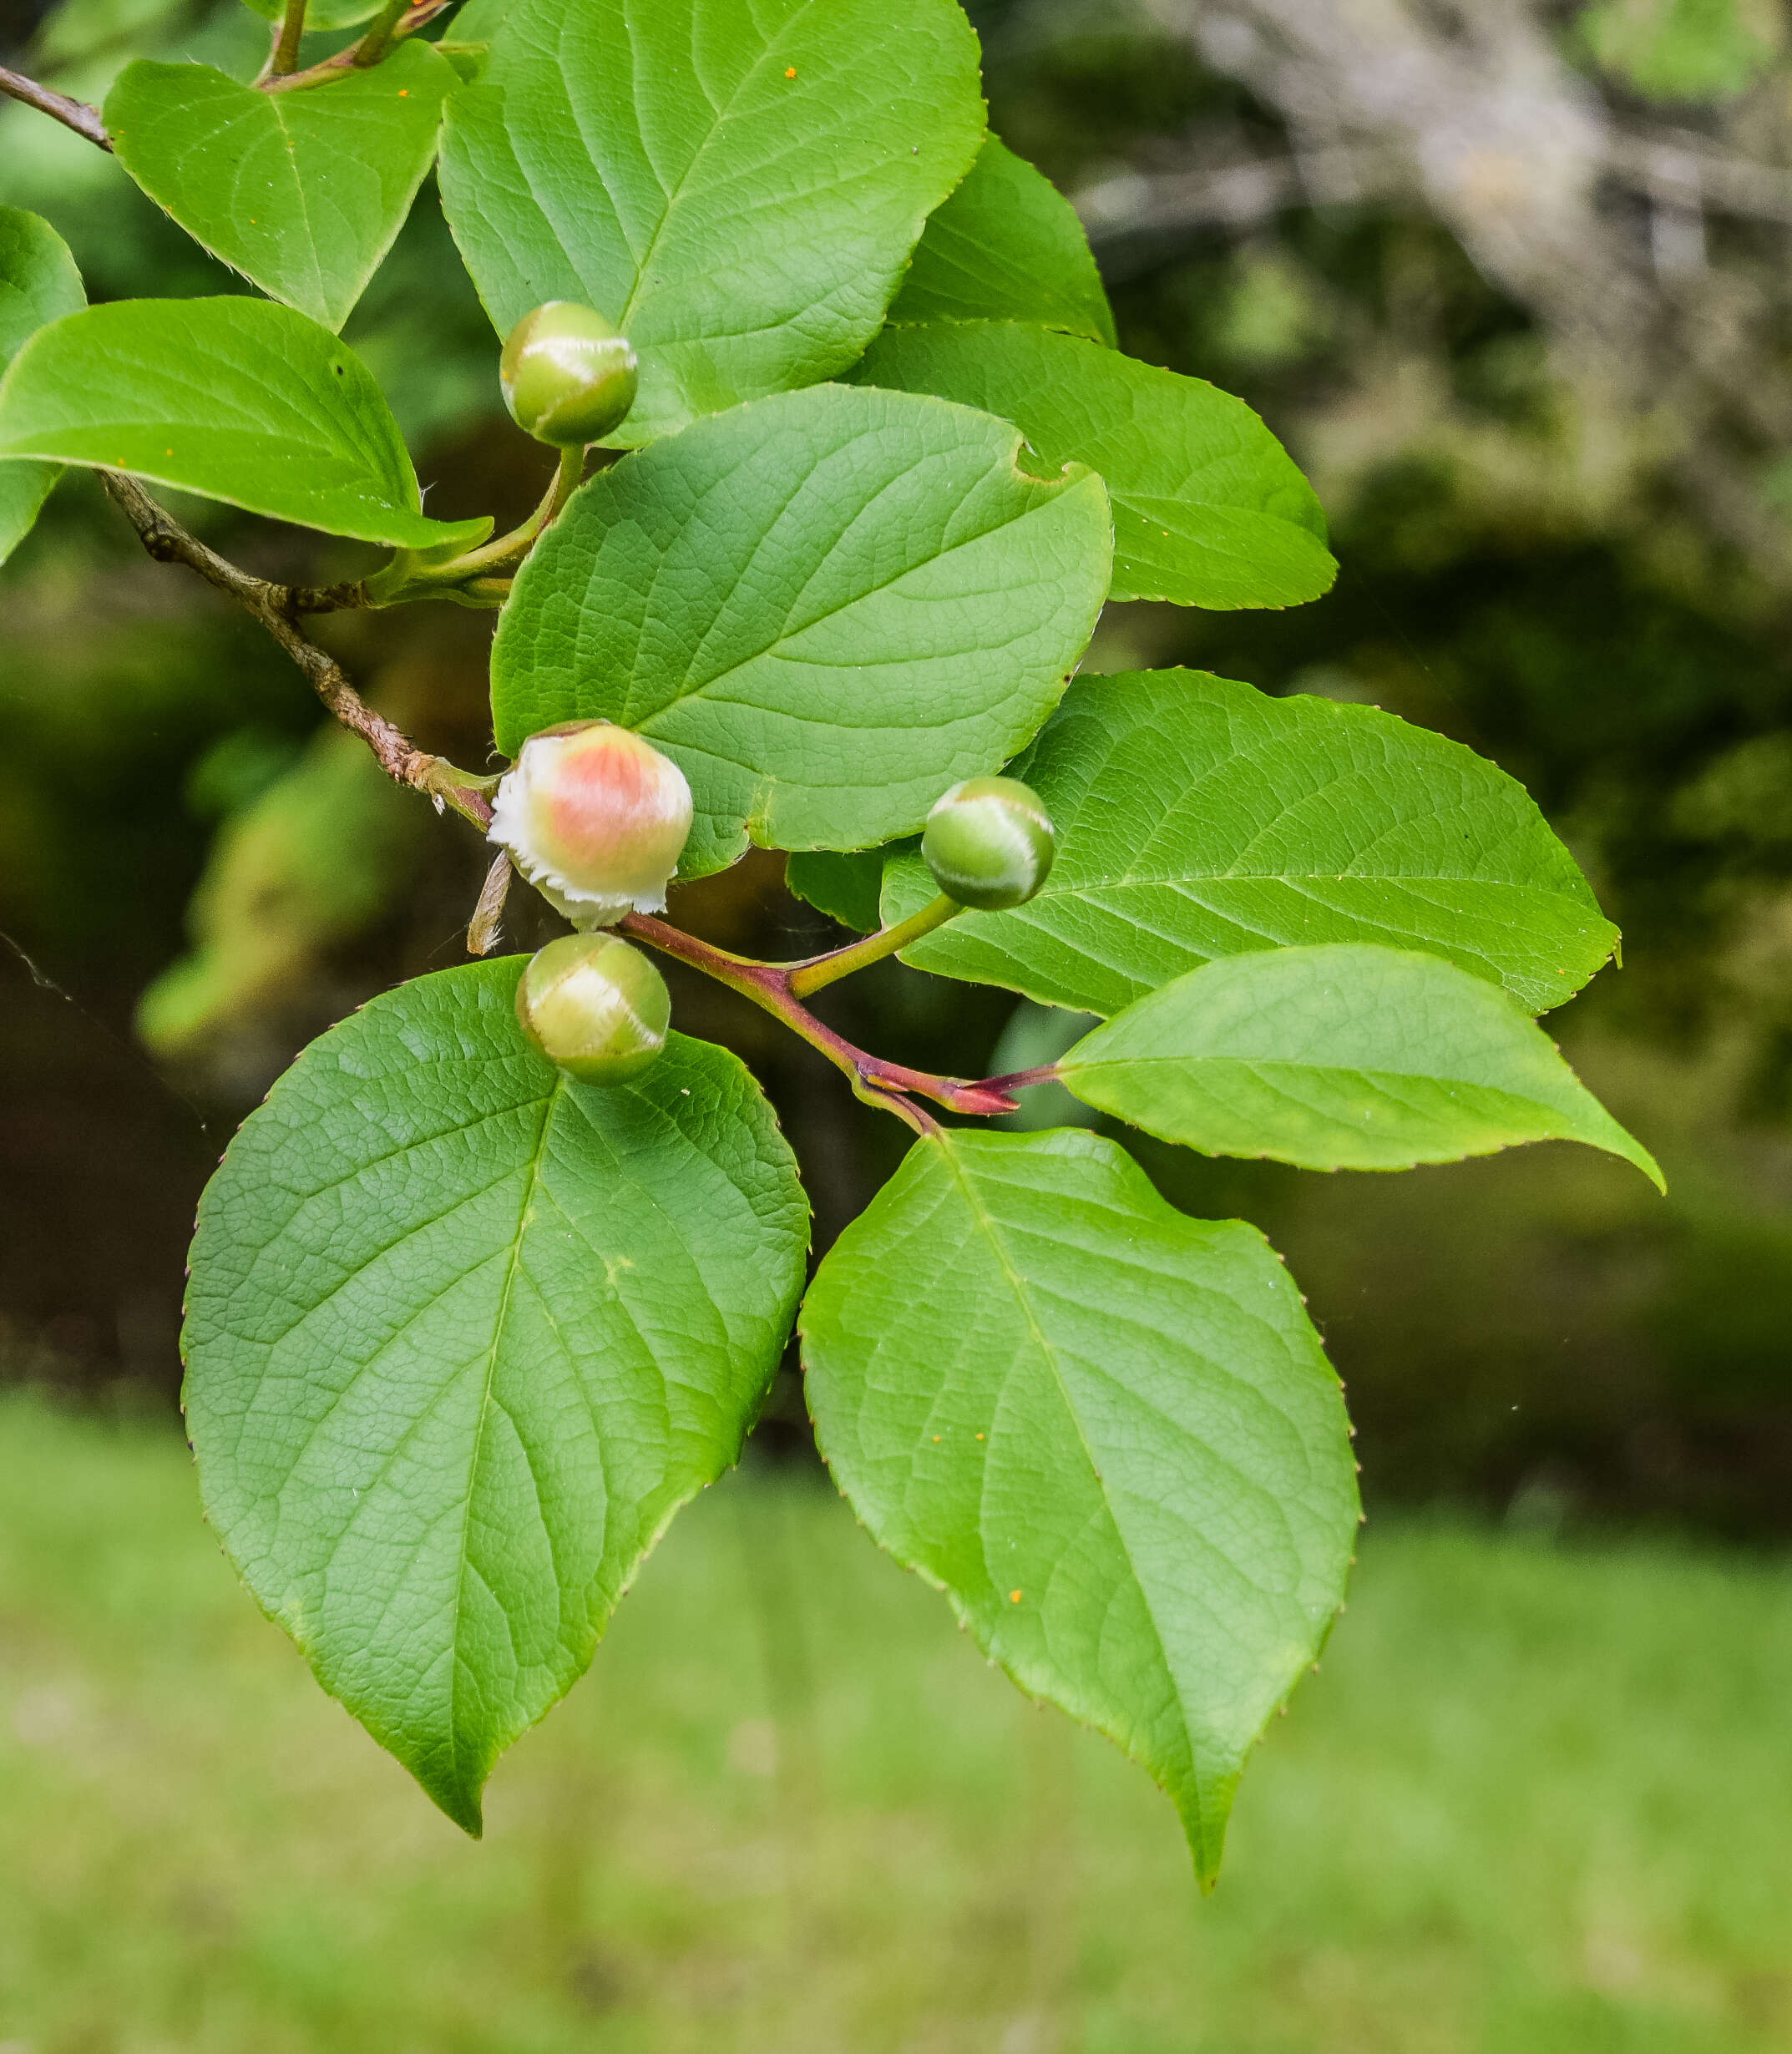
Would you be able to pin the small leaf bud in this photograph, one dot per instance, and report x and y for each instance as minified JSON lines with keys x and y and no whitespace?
{"x":595,"y":1007}
{"x":989,"y":843}
{"x":568,"y":377}
{"x":595,"y":819}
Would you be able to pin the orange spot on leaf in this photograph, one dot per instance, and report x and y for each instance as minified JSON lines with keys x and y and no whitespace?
{"x":790,"y":71}
{"x":1014,"y":1597}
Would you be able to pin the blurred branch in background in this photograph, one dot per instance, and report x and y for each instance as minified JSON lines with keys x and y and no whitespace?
{"x":1589,"y":215}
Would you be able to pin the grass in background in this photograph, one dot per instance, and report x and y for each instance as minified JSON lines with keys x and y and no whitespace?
{"x":1539,"y":1802}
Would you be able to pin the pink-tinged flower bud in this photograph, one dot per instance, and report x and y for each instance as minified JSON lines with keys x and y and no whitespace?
{"x":595,"y":819}
{"x":595,"y":1007}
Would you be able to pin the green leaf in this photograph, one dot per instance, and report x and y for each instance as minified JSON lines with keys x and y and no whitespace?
{"x":1105,"y":1430}
{"x":737,"y":184}
{"x":1344,"y":1056}
{"x":462,"y":1336}
{"x":825,"y":606}
{"x":303,"y":192}
{"x":1006,"y":246}
{"x":321,"y":14}
{"x":1198,"y":819}
{"x":39,"y":283}
{"x":843,"y":884}
{"x":234,"y":399}
{"x":1209,"y":510}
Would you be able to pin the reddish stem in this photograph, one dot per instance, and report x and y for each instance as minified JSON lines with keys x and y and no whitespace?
{"x":1019,"y":1080}
{"x":767,"y":985}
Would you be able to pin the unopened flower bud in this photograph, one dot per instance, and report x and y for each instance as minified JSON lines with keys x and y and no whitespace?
{"x":595,"y":819}
{"x":568,"y":377}
{"x":595,"y":1007}
{"x":989,"y":843}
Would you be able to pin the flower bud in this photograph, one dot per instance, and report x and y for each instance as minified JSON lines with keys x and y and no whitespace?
{"x":595,"y":1007}
{"x":568,"y":377}
{"x":989,"y":843}
{"x":595,"y":819}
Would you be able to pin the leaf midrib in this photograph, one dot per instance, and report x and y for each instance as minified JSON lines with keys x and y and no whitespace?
{"x":1017,"y":1284}
{"x":532,"y":1185}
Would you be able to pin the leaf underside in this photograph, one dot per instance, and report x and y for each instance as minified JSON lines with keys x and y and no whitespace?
{"x":825,"y":607}
{"x":1006,"y":246}
{"x":1107,"y":1431}
{"x":747,"y":181}
{"x":1198,"y":819}
{"x":462,"y":1336}
{"x":234,"y":399}
{"x":1339,"y":1057}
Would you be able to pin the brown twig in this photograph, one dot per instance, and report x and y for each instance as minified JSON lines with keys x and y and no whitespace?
{"x":275,"y":606}
{"x":290,"y":33}
{"x":75,"y":114}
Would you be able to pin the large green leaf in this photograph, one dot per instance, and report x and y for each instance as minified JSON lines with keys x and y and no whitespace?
{"x":1106,"y":1431}
{"x":301,"y":191}
{"x":39,"y":283}
{"x":1344,"y":1056}
{"x":1198,"y":819}
{"x":234,"y":399}
{"x":736,"y":183}
{"x":1006,"y":246}
{"x":825,"y":606}
{"x":1209,"y":510}
{"x":461,"y":1338}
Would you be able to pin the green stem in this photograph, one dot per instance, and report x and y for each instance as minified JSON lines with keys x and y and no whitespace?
{"x":374,"y":44}
{"x":807,"y":976}
{"x":513,"y":548}
{"x":286,"y":58}
{"x":476,"y":578}
{"x":404,"y":21}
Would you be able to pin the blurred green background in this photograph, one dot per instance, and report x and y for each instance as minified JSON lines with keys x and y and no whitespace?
{"x":1513,"y":279}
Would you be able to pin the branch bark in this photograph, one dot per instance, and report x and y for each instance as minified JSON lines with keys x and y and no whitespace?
{"x":75,"y":114}
{"x":275,"y":607}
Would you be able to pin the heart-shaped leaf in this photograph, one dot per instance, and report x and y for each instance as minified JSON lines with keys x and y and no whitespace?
{"x":234,"y":399}
{"x":825,"y":607}
{"x":1006,"y":246}
{"x":737,"y":184}
{"x":301,"y":191}
{"x":1106,"y":1431}
{"x":1198,"y":818}
{"x":1339,"y":1057}
{"x":39,"y":283}
{"x":1209,"y":510}
{"x":462,"y":1336}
